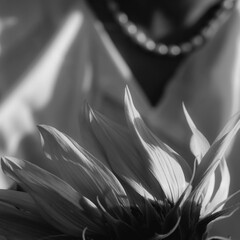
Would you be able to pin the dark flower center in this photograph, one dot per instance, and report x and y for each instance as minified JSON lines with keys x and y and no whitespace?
{"x":153,"y":220}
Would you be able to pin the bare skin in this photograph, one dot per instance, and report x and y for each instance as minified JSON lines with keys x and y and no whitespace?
{"x":165,"y":20}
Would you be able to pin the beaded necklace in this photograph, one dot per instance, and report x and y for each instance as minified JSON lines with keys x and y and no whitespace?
{"x":140,"y":37}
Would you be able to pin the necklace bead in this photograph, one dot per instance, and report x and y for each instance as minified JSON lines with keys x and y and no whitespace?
{"x":140,"y":37}
{"x":162,"y":49}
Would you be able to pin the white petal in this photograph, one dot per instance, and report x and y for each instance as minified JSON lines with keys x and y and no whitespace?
{"x":216,"y":151}
{"x":122,"y":156}
{"x":215,"y":154}
{"x":165,"y":163}
{"x":223,"y":190}
{"x":78,"y":167}
{"x":57,"y":201}
{"x":198,"y":189}
{"x":208,"y":191}
{"x":139,"y":189}
{"x":199,"y":144}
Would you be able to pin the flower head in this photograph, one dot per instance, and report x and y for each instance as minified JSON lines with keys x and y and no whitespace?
{"x":127,"y":185}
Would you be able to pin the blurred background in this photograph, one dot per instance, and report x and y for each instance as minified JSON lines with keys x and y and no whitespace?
{"x":54,"y":54}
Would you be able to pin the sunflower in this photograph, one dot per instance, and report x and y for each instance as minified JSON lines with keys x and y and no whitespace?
{"x":129,"y":185}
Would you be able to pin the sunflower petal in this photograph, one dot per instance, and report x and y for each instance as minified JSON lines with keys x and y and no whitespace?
{"x":187,"y":191}
{"x":16,"y":224}
{"x":58,"y":201}
{"x":20,"y":200}
{"x":199,"y":144}
{"x":78,"y":167}
{"x":122,"y":157}
{"x":213,"y":157}
{"x":165,"y":164}
{"x":207,"y":192}
{"x":223,"y":190}
{"x":139,"y":189}
{"x":218,"y":148}
{"x":133,"y":196}
{"x":225,"y":213}
{"x":57,"y":145}
{"x":220,"y":205}
{"x":198,"y":190}
{"x":116,"y":141}
{"x":234,"y":121}
{"x":87,"y":138}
